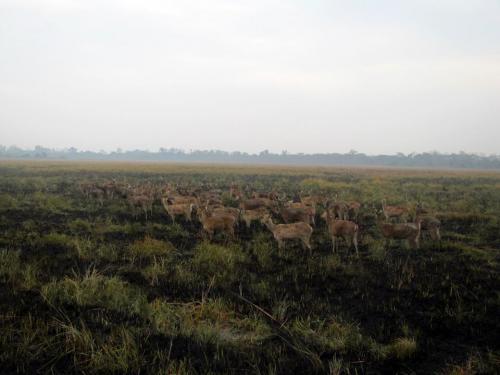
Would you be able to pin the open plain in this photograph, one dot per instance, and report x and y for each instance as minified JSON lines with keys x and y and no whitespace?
{"x":96,"y":277}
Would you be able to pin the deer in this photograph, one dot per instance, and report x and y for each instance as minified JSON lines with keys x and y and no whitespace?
{"x":401,"y":231}
{"x":178,"y":209}
{"x":209,"y":198}
{"x":309,"y":206}
{"x":222,"y":222}
{"x":120,"y":190}
{"x":108,"y":188}
{"x":253,"y":203}
{"x":296,"y":214}
{"x":85,"y":188}
{"x":353,"y":210}
{"x":312,"y":200}
{"x":97,"y":193}
{"x":236,"y":193}
{"x":281,"y":232}
{"x":270,"y":195}
{"x":248,"y":216}
{"x":291,"y":204}
{"x":226,"y":210}
{"x":179,"y":199}
{"x":430,"y":224}
{"x":398,"y":212}
{"x":345,"y":229}
{"x":145,"y":202}
{"x":338,"y":209}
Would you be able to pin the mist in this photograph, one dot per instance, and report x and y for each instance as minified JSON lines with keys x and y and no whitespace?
{"x":312,"y":77}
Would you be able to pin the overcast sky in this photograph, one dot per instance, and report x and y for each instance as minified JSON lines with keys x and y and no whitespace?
{"x":304,"y":76}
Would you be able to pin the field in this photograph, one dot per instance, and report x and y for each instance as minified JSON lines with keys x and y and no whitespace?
{"x":94,"y":288}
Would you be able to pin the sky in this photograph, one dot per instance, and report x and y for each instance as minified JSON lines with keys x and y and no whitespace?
{"x":302,"y":76}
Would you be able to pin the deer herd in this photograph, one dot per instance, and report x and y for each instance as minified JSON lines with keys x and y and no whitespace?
{"x":298,"y":214}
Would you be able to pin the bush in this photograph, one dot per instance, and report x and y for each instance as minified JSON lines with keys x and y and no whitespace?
{"x":117,"y":352}
{"x":55,"y":243}
{"x":404,"y":347}
{"x":10,"y":265}
{"x":218,"y":262}
{"x":263,"y":250}
{"x":80,"y":226}
{"x":94,"y":289}
{"x":338,"y":336}
{"x":51,"y":203}
{"x":108,"y":252}
{"x":12,"y":271}
{"x":160,"y":267}
{"x":149,"y":248}
{"x":210,"y":320}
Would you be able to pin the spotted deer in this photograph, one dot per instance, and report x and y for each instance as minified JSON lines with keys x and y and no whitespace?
{"x":345,"y":229}
{"x":282,"y":232}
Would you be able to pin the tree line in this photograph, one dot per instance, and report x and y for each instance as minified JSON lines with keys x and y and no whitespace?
{"x":352,"y":158}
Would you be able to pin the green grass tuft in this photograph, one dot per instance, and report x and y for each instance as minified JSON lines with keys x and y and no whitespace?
{"x":93,"y":289}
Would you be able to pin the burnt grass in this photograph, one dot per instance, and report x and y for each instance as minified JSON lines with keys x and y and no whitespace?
{"x":268,"y":309}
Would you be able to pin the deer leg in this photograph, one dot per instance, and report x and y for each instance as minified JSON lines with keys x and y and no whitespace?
{"x":355,"y":241}
{"x":412,"y":242}
{"x":333,"y":244}
{"x":307,"y":245}
{"x":280,"y":245}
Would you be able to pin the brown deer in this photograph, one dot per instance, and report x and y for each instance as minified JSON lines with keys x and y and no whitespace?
{"x":296,"y":214}
{"x":97,"y":193}
{"x":390,"y":212}
{"x":281,"y":232}
{"x":254,"y":203}
{"x":145,"y":202}
{"x":222,"y":222}
{"x":353,"y":210}
{"x":224,"y":210}
{"x":207,"y":198}
{"x":236,"y":193}
{"x":430,"y":224}
{"x":401,"y":231}
{"x":178,"y":209}
{"x":313,"y":200}
{"x":267,"y":195}
{"x":179,"y":199}
{"x":85,"y":188}
{"x":345,"y":229}
{"x":338,"y":209}
{"x":248,"y":216}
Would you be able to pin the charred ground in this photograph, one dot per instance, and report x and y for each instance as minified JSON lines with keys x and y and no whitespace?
{"x":85,"y":287}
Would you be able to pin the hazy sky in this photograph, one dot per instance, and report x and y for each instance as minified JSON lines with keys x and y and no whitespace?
{"x":304,"y":76}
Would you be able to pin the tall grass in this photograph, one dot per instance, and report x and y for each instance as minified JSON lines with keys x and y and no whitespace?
{"x":93,"y":289}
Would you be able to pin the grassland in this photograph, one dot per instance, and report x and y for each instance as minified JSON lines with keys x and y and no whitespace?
{"x":89,"y":288}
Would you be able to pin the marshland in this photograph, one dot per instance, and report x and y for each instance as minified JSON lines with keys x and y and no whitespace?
{"x":111,"y":267}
